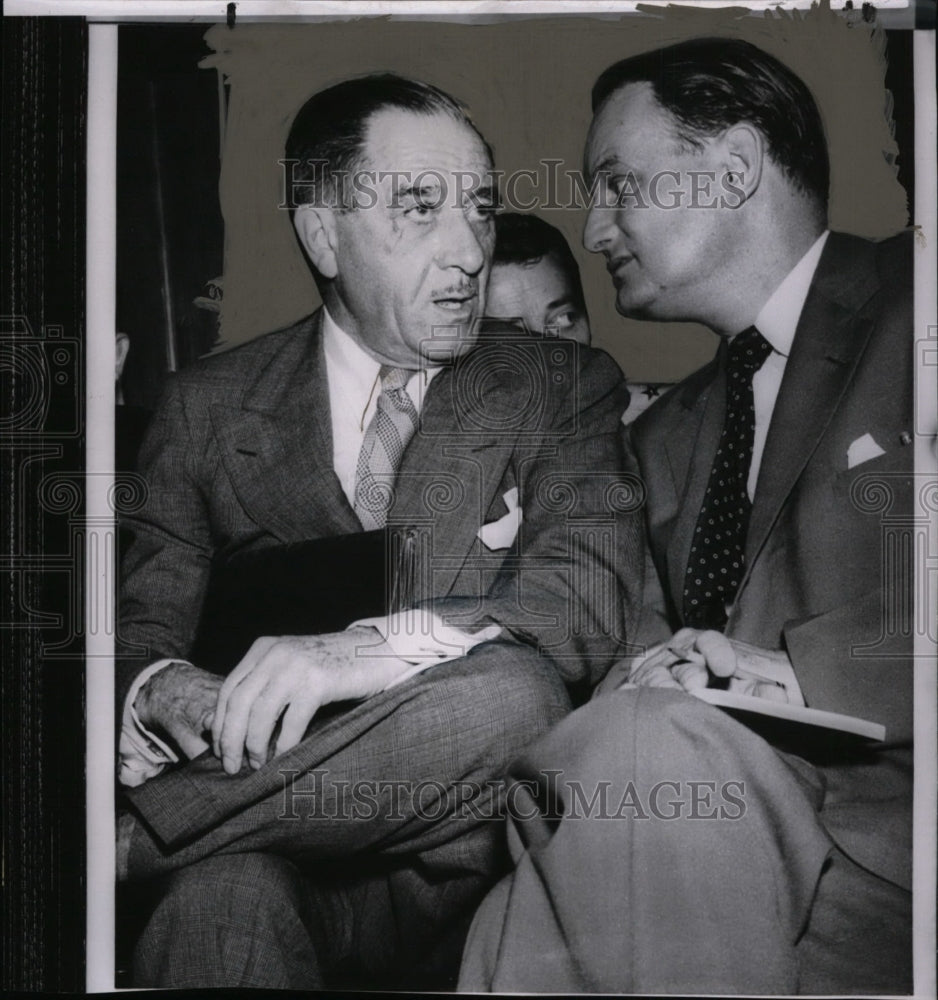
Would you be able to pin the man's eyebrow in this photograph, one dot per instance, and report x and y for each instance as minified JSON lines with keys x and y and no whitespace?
{"x":607,"y":164}
{"x":486,"y":192}
{"x":567,"y":300}
{"x":417,"y":189}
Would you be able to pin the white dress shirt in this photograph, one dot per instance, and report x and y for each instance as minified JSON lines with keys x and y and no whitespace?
{"x":777,"y":322}
{"x":354,"y":387}
{"x":416,"y":637}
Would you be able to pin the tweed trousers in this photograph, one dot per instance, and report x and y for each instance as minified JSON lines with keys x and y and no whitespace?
{"x":362,"y":853}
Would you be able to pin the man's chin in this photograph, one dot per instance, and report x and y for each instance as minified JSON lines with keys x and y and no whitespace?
{"x":634,"y":308}
{"x":450,"y":341}
{"x":629,"y":309}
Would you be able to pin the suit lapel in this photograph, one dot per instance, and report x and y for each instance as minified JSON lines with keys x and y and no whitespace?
{"x":827,"y":346}
{"x":277,"y":448}
{"x":703,"y":401}
{"x":448,"y":479}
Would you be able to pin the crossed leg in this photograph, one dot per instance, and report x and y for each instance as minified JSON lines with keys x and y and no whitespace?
{"x":662,"y":847}
{"x":377,"y":836}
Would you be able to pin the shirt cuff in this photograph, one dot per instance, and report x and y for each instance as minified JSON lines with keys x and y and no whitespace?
{"x":142,"y":754}
{"x":423,"y":639}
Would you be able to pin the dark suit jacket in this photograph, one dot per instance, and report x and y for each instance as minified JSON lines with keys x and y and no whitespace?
{"x":819,"y":581}
{"x":239,"y":456}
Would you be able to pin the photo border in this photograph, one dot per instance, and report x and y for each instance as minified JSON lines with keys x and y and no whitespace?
{"x":96,"y":567}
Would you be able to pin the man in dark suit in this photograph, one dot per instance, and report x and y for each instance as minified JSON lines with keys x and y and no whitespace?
{"x":365,"y":844}
{"x":728,"y":854}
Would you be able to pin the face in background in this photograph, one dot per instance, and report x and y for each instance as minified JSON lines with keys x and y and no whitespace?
{"x":668,"y":247}
{"x":414,"y":256}
{"x":542,"y":294}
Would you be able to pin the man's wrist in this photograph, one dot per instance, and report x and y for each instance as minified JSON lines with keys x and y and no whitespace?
{"x":150,"y":701}
{"x":375,"y":665}
{"x":418,"y":636}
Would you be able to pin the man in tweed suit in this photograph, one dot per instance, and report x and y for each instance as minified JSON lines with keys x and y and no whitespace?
{"x":504,"y":458}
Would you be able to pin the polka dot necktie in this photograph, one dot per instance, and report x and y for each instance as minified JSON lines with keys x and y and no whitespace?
{"x":716,"y":564}
{"x":386,"y":437}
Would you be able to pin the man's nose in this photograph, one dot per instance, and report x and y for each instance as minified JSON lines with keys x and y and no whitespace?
{"x":464,"y":244}
{"x":600,"y":228}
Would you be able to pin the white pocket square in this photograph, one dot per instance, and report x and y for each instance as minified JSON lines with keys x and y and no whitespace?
{"x":501,"y":533}
{"x":862,"y":450}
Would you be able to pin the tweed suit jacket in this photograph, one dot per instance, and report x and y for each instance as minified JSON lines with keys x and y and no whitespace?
{"x":239,"y":456}
{"x":817,"y":583}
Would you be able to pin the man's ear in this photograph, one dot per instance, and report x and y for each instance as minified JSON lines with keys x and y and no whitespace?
{"x":744,"y":153}
{"x":315,"y":227}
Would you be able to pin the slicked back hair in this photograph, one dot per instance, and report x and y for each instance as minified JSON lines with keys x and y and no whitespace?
{"x":528,"y":239}
{"x":328,"y":135}
{"x":710,"y":84}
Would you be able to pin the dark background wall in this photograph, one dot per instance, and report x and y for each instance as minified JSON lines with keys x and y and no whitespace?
{"x":169,"y":237}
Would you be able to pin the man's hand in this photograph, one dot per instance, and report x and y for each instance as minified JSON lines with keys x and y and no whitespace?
{"x":179,"y":701}
{"x":692,"y":659}
{"x":292,"y":677}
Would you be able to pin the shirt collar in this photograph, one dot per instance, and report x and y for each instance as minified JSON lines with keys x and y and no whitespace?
{"x":358,"y":371}
{"x":778,"y":318}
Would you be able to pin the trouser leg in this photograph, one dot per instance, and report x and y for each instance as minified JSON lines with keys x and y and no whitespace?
{"x":256,"y":920}
{"x":237,"y":920}
{"x":411,"y":770}
{"x":415,"y":798}
{"x":686,"y":859}
{"x":406,"y":926}
{"x":859,"y":937}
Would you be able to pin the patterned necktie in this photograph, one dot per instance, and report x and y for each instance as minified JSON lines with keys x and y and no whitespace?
{"x":391,"y":428}
{"x":717,"y":555}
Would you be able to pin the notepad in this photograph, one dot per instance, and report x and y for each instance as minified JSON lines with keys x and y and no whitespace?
{"x":300,"y":588}
{"x":792,"y":713}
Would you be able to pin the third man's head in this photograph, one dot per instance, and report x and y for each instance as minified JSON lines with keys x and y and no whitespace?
{"x":535,"y":278}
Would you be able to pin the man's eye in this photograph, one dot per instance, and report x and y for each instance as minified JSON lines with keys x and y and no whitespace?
{"x":484,"y":209}
{"x":563,"y":321}
{"x":419,"y":209}
{"x":422,"y":204}
{"x":626,"y":188}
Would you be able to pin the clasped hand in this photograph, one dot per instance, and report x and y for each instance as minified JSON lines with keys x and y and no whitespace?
{"x":692,"y":658}
{"x":286,"y":680}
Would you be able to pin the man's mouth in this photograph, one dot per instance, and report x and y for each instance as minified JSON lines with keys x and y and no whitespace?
{"x":457,"y":301}
{"x":616,"y":266}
